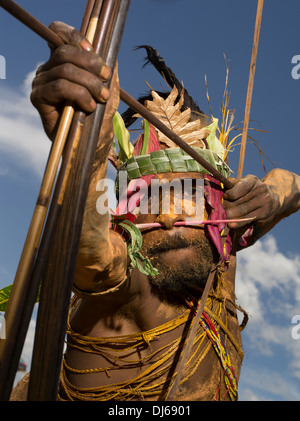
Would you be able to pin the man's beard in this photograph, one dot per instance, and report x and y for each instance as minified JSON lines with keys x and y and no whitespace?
{"x":184,"y":277}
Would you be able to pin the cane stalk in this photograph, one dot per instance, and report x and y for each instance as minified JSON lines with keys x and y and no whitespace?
{"x":59,"y":270}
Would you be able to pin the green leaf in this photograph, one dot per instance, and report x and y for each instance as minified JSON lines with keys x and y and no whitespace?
{"x":123,"y":138}
{"x":213,"y":142}
{"x":4,"y":297}
{"x":147,"y":267}
{"x":134,"y":232}
{"x":146,"y":138}
{"x":133,"y":249}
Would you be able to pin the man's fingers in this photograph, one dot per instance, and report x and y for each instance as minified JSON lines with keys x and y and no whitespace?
{"x":241,"y":188}
{"x":70,"y":35}
{"x":258,"y":204}
{"x":59,"y":91}
{"x":71,"y":73}
{"x":85,"y":60}
{"x":244,"y":210}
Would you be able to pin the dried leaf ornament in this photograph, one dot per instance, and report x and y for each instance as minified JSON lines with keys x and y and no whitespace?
{"x":169,"y":112}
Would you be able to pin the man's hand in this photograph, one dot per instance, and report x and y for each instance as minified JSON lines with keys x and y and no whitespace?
{"x":74,"y":74}
{"x":251,"y":198}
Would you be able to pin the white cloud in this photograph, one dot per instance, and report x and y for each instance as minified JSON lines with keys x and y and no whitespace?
{"x":23,"y":142}
{"x":24,"y":146}
{"x":249,"y":395}
{"x":259,"y":384}
{"x":266,"y":273}
{"x":268,"y":287}
{"x":27,"y":350}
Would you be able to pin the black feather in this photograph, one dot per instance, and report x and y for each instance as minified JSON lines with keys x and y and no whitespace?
{"x":154,"y":58}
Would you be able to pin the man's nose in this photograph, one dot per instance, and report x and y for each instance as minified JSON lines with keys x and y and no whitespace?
{"x":168,"y":220}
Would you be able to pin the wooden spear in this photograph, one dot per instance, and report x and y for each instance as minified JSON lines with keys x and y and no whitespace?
{"x":258,"y":20}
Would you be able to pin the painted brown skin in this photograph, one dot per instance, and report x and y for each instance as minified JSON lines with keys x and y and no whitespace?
{"x":74,"y":73}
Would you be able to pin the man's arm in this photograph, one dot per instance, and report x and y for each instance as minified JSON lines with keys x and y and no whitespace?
{"x":286,"y":186}
{"x":102,"y":259}
{"x":74,"y":73}
{"x":268,"y":201}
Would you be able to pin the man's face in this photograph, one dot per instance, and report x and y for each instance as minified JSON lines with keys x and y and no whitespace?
{"x":183,"y":255}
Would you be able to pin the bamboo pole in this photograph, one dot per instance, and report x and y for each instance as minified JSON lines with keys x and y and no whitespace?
{"x":57,"y":281}
{"x":90,"y":5}
{"x":20,"y":303}
{"x":258,"y":20}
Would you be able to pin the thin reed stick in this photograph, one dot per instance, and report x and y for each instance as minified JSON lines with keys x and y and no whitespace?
{"x":258,"y":20}
{"x":191,"y":336}
{"x":194,"y":223}
{"x":87,"y":16}
{"x":61,"y":259}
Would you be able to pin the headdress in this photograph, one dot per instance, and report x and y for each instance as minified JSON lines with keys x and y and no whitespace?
{"x":154,"y":153}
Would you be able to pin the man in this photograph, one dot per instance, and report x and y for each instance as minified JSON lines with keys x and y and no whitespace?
{"x":130,"y":316}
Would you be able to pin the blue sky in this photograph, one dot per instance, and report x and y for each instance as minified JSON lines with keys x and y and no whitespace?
{"x":192,"y":36}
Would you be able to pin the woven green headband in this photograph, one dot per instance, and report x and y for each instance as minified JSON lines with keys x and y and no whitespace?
{"x":171,"y":160}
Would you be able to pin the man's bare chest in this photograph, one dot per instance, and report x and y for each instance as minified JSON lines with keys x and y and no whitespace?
{"x":124,"y":362}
